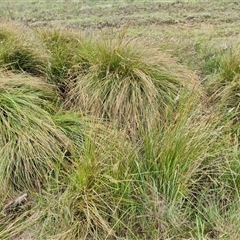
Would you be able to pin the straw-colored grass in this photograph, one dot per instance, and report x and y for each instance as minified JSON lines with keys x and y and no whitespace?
{"x":31,"y":146}
{"x":61,"y":46}
{"x":21,"y":51}
{"x":93,"y":198}
{"x":84,"y":177}
{"x":127,"y":81}
{"x":224,"y":86}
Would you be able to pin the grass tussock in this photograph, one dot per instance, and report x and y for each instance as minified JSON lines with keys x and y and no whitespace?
{"x":20,"y":50}
{"x":84,"y":177}
{"x":127,"y":82}
{"x":224,"y":86}
{"x":32,"y":147}
{"x":187,"y":151}
{"x":61,"y":46}
{"x":93,"y":199}
{"x":168,"y":187}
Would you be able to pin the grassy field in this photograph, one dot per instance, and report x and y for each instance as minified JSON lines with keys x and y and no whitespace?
{"x":119,"y":120}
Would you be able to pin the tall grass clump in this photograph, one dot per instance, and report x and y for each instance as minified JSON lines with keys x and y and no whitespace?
{"x":98,"y":194}
{"x":174,"y":184}
{"x":224,"y":86}
{"x":126,"y":81}
{"x":61,"y":45}
{"x":190,"y":161}
{"x":31,"y":146}
{"x":177,"y":153}
{"x":21,"y":51}
{"x":154,"y":190}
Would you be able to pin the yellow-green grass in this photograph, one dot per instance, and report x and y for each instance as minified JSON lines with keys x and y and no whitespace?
{"x":163,"y":188}
{"x":32,"y":147}
{"x":84,"y":178}
{"x":95,"y":192}
{"x":224,"y":85}
{"x":61,"y":46}
{"x":20,"y":50}
{"x":127,"y":82}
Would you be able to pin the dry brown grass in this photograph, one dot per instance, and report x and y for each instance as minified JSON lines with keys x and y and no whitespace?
{"x":128,"y":82}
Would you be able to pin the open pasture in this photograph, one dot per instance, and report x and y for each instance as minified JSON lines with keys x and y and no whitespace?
{"x":119,"y":120}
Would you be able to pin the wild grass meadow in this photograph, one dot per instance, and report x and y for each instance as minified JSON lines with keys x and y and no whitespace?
{"x":119,"y":120}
